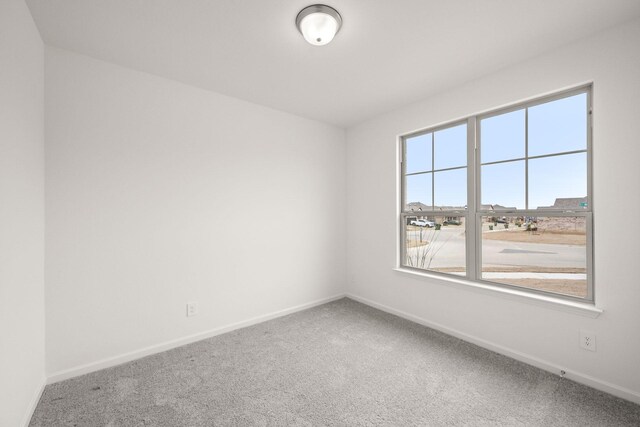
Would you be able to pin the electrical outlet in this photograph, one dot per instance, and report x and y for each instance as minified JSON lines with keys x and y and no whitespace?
{"x":588,"y":340}
{"x":192,"y":309}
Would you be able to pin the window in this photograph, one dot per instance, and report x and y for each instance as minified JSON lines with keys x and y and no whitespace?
{"x":435,"y":193}
{"x":504,"y":197}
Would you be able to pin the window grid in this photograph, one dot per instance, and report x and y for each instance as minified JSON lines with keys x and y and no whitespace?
{"x":433,"y":173}
{"x":526,"y":157}
{"x":473,"y":215}
{"x":526,"y":161}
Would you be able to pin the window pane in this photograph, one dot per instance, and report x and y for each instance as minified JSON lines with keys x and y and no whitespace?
{"x":503,"y":186}
{"x":450,"y":147}
{"x":558,"y":126}
{"x":418,"y":192}
{"x":502,"y":137}
{"x":436,"y":244}
{"x":451,"y":189}
{"x":418,"y":155}
{"x":544,"y":253}
{"x":558,"y":182}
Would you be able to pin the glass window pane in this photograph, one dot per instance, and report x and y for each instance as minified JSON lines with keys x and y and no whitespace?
{"x":543,"y":253}
{"x":418,"y":192}
{"x":436,"y":243}
{"x":502,"y":137}
{"x":450,"y":147}
{"x":558,"y":182}
{"x":558,"y":126}
{"x":450,"y":189}
{"x":418,"y":154}
{"x":503,"y":186}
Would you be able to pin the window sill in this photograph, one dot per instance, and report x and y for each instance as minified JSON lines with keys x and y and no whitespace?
{"x":573,"y":307}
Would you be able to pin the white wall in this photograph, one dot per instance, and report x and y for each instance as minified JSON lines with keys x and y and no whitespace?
{"x":158,"y":193}
{"x":612,"y":61}
{"x":21,"y":214}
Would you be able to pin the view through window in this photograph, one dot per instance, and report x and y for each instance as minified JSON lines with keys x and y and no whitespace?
{"x":504,"y":197}
{"x":436,"y":192}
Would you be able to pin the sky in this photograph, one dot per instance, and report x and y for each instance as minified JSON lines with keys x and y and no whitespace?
{"x":553,"y":127}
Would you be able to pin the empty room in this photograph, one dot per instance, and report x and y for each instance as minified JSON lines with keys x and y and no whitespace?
{"x":356,"y":213}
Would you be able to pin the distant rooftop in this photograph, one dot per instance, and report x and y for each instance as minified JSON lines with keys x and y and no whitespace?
{"x":568,"y":203}
{"x":564,"y":203}
{"x":418,"y":207}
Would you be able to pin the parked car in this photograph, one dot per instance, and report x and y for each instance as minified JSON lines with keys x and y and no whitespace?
{"x":451,"y":222}
{"x":422,"y":223}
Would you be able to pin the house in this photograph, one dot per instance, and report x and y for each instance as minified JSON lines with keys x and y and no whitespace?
{"x":171,"y":171}
{"x":568,"y":203}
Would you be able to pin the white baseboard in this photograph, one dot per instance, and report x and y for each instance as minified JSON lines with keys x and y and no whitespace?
{"x":158,"y":348}
{"x":578,"y":377}
{"x":34,"y":403}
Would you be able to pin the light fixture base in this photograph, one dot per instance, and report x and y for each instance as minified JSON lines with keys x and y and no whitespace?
{"x":318,"y":9}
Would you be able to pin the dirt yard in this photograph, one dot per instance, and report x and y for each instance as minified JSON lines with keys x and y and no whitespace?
{"x":416,"y":243}
{"x":517,"y":269}
{"x":413,"y":236}
{"x":576,"y":288}
{"x":544,"y":236}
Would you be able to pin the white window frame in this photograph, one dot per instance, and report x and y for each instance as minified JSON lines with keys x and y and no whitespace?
{"x":474,"y":212}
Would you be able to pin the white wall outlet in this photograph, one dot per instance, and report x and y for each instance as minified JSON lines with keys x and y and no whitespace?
{"x":192,"y":309}
{"x":588,"y":340}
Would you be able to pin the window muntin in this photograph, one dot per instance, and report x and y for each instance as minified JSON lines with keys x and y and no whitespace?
{"x":418,"y":153}
{"x":436,"y":163}
{"x":450,"y":189}
{"x":503,"y":137}
{"x":530,"y":162}
{"x":435,"y":200}
{"x":450,"y":147}
{"x":503,"y":185}
{"x":521,"y":143}
{"x":558,"y":126}
{"x":555,"y":178}
{"x":418,"y":191}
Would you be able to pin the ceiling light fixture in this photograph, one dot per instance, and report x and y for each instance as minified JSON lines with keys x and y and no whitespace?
{"x":318,"y":23}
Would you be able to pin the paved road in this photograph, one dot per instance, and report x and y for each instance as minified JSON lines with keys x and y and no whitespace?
{"x":449,"y":243}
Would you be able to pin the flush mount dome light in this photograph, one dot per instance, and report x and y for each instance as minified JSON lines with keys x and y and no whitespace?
{"x":318,"y":23}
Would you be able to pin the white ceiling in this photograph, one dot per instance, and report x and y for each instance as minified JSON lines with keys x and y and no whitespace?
{"x":388,"y":53}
